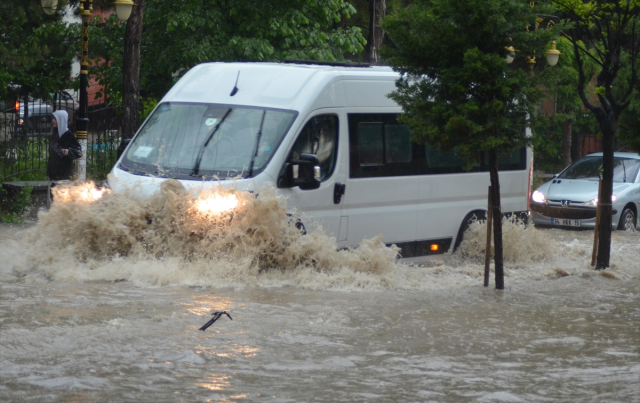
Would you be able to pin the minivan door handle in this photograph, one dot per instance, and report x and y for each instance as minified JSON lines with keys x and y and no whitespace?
{"x":338,"y":191}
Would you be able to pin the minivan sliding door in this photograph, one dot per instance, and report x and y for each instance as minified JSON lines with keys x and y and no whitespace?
{"x":381,"y":190}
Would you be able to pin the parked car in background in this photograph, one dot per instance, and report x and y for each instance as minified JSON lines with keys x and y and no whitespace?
{"x":571,"y":197}
{"x":38,"y":111}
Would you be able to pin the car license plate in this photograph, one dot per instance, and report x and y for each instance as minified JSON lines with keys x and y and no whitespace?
{"x":565,"y":222}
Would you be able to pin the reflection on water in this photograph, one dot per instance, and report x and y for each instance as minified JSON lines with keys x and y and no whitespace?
{"x":81,"y":321}
{"x":217,"y":382}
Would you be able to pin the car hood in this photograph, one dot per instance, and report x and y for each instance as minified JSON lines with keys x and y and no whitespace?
{"x":582,"y":190}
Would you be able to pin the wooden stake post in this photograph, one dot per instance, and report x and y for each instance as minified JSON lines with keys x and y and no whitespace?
{"x":487,"y":254}
{"x":595,"y":230}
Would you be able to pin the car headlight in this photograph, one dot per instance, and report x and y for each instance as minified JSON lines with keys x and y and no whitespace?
{"x":538,"y":197}
{"x":216,"y":204}
{"x":594,"y":202}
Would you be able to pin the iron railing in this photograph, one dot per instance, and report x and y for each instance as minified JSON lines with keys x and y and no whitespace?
{"x":24,"y":130}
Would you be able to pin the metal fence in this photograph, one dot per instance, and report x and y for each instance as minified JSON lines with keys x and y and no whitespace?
{"x":24,"y":128}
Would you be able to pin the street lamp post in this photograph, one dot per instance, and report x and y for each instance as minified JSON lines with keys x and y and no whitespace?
{"x":552,"y":55}
{"x":123,"y":9}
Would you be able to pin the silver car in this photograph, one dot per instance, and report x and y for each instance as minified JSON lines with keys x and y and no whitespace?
{"x":570,"y":198}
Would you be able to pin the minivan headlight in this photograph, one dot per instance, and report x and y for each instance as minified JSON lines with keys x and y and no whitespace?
{"x":216,"y":204}
{"x":538,"y":197}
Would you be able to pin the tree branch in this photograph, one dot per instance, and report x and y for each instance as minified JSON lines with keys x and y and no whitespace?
{"x":581,"y":77}
{"x":575,"y":43}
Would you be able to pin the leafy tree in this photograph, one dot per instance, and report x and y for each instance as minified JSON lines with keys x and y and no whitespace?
{"x":36,"y":49}
{"x":456,"y":89}
{"x":554,"y":135}
{"x":106,"y":55}
{"x":629,"y":122}
{"x":605,"y":32}
{"x":180,"y":34}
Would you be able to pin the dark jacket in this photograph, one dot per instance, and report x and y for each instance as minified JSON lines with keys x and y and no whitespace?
{"x":60,"y":166}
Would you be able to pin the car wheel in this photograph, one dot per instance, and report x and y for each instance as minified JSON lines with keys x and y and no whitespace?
{"x":627,"y":220}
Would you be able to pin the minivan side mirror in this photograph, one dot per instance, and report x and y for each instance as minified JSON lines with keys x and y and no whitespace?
{"x":122,"y":146}
{"x":303,"y":172}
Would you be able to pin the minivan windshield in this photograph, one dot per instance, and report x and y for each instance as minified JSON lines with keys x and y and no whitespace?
{"x":624,"y":169}
{"x":192,"y":140}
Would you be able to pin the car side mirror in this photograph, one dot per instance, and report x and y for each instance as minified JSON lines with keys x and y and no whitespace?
{"x":122,"y":146}
{"x":303,"y":172}
{"x":556,"y":175}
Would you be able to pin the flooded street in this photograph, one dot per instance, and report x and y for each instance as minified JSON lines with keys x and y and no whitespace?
{"x":80,"y":324}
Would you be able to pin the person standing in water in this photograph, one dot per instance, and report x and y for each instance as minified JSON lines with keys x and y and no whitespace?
{"x":63,"y":149}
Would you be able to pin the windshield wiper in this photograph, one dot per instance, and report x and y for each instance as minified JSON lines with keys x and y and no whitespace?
{"x":196,"y":166}
{"x":255,"y":149}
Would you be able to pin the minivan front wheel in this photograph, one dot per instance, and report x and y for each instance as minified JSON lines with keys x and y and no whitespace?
{"x":627,"y":220}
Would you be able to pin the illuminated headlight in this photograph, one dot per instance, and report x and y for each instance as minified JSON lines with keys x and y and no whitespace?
{"x":217,"y":204}
{"x":90,"y":195}
{"x":538,"y":197}
{"x":594,"y":202}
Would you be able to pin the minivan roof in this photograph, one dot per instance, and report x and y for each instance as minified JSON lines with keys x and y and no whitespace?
{"x":277,"y":85}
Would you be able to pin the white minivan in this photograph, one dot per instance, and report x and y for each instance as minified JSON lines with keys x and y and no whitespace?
{"x":328,"y":138}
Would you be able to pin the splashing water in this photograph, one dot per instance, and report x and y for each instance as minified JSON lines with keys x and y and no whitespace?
{"x":177,"y":237}
{"x":521,"y":244}
{"x":188,"y":237}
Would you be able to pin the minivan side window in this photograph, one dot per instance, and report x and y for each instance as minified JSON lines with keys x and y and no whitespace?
{"x":320,"y":137}
{"x":379,"y":146}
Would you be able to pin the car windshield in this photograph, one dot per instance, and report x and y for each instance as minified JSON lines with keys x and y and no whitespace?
{"x":187,"y":140}
{"x":624,"y":169}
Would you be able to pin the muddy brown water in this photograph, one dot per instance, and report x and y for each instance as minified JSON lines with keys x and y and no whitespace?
{"x":85,"y":318}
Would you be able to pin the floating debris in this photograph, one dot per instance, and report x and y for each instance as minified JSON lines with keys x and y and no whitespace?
{"x":216,"y":316}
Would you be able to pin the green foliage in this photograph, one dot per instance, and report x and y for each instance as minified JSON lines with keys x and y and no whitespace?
{"x":629,"y":132}
{"x":106,"y":47}
{"x":100,"y":160}
{"x":36,"y":49}
{"x":25,"y":162}
{"x":457,"y":90}
{"x":148,"y":105}
{"x":547,"y":141}
{"x":180,"y":34}
{"x":14,"y":213}
{"x":605,"y":45}
{"x":560,"y":82}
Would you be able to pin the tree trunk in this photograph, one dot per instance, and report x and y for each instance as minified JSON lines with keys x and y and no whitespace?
{"x":608,"y":125}
{"x":575,"y":143}
{"x":378,"y":33}
{"x":370,"y":50}
{"x":566,"y":142}
{"x":131,"y":71}
{"x":377,"y":11}
{"x":497,"y":219}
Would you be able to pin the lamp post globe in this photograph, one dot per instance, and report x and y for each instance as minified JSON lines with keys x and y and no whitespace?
{"x":511,"y":54}
{"x":123,"y":8}
{"x":49,"y":6}
{"x":552,"y":54}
